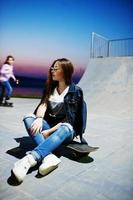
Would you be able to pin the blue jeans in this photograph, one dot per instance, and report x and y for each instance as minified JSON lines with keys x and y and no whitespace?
{"x":8,"y":88}
{"x":48,"y":145}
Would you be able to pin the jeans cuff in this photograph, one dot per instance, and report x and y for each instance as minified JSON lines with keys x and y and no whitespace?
{"x":35,"y":155}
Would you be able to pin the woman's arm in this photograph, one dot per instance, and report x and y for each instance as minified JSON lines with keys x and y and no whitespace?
{"x":48,"y":132}
{"x":13,"y":77}
{"x":5,"y":70}
{"x":41,"y":110}
{"x":37,"y":124}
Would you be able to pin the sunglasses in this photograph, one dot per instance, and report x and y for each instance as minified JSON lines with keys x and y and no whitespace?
{"x":52,"y":69}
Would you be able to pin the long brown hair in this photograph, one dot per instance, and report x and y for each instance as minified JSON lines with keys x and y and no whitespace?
{"x":68,"y":70}
{"x":7,"y":59}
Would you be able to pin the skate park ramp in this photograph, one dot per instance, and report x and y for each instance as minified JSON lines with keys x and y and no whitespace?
{"x":106,"y":174}
{"x":108,"y":86}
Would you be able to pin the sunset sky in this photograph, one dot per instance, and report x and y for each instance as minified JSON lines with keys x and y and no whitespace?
{"x":36,"y":32}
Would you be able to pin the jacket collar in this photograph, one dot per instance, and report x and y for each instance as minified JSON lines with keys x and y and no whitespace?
{"x":72,"y":88}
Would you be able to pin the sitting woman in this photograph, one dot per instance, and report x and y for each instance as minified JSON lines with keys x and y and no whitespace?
{"x":59,"y":117}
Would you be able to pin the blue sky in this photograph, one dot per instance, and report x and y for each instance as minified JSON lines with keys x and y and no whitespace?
{"x":38,"y":31}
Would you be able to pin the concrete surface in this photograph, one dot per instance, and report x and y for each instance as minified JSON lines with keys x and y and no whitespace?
{"x":106,"y":174}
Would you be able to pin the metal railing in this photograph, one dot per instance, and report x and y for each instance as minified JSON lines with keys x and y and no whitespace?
{"x":103,"y":47}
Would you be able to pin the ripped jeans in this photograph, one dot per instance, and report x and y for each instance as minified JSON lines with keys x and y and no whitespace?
{"x":46,"y":146}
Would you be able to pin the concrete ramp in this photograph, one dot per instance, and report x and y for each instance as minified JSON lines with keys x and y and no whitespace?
{"x":108,"y":86}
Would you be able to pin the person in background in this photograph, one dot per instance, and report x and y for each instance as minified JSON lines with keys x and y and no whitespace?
{"x":58,"y":118}
{"x":6,"y":72}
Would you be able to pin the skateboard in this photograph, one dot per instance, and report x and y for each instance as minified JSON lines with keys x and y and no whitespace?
{"x":79,"y":149}
{"x":6,"y":104}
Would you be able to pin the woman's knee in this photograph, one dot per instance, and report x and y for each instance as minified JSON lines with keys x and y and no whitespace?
{"x":10,"y":90}
{"x":64,"y":128}
{"x":64,"y":131}
{"x":67,"y":127}
{"x":68,"y":131}
{"x":28,"y":120}
{"x":30,"y":115}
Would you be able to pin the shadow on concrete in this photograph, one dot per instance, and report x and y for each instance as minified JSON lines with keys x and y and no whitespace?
{"x":12,"y":180}
{"x":70,"y":154}
{"x":26,"y":144}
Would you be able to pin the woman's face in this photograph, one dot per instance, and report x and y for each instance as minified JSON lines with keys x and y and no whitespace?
{"x":57,"y":72}
{"x":10,"y":61}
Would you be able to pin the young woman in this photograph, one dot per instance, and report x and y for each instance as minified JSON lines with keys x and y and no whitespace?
{"x":6,"y":73}
{"x":59,"y":117}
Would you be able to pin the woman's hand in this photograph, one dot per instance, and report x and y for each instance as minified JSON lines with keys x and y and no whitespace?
{"x":45,"y":133}
{"x":48,"y":132}
{"x":36,"y":126}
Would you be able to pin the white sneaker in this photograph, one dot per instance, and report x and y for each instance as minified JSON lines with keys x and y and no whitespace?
{"x":22,"y":166}
{"x":49,"y":163}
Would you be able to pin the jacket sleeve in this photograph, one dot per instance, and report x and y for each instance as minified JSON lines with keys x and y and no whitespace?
{"x":83,"y":117}
{"x":83,"y":111}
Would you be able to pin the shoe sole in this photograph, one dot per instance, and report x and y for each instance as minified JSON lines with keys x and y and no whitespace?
{"x":47,"y":170}
{"x":19,"y":179}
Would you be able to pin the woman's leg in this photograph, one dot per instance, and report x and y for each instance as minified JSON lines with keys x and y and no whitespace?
{"x":50,"y":161}
{"x":37,"y":137}
{"x":2,"y":93}
{"x":8,"y":89}
{"x":62,"y":134}
{"x":22,"y":166}
{"x":43,"y":150}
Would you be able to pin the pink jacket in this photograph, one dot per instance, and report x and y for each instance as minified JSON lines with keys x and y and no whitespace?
{"x":6,"y":72}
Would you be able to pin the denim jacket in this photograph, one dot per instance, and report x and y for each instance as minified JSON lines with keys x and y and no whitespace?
{"x":76,"y":111}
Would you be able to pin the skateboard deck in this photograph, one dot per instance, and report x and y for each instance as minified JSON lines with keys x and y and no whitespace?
{"x":6,"y":104}
{"x":80,"y":150}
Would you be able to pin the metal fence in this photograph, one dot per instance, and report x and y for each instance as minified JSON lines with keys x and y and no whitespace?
{"x":103,"y":47}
